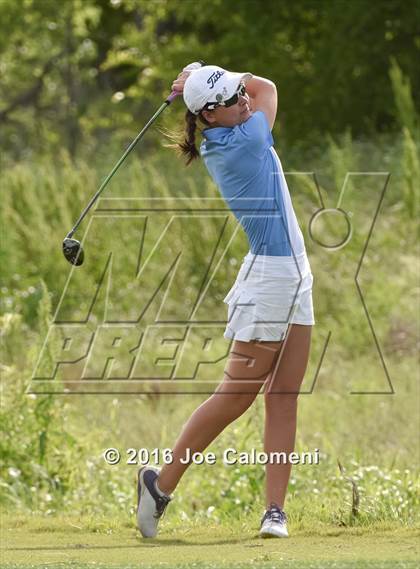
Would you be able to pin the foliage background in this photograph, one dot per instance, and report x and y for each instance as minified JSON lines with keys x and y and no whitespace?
{"x":81,"y":73}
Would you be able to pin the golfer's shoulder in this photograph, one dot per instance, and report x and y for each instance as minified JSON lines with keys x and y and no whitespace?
{"x":255,"y":133}
{"x":255,"y":125}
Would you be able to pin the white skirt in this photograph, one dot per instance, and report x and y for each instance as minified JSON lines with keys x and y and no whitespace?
{"x":270,"y":292}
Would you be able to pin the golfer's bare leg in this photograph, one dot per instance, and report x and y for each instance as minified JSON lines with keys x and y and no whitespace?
{"x":281,"y":408}
{"x":248,"y":366}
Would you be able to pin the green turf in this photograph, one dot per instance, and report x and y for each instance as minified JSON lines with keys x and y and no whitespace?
{"x":357,"y":564}
{"x":81,"y":543}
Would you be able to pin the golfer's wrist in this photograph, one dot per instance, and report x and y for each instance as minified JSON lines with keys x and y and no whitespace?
{"x":178,"y":84}
{"x":194,"y":65}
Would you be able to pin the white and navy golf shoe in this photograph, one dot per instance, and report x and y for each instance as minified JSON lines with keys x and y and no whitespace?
{"x":273,"y":522}
{"x":151,"y":502}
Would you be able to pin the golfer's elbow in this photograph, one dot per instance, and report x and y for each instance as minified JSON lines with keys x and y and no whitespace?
{"x":263,"y":94}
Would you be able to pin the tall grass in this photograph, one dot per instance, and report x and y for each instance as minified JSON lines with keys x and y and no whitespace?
{"x":410,"y":124}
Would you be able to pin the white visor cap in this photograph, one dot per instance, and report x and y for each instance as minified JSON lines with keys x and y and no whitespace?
{"x":211,"y":84}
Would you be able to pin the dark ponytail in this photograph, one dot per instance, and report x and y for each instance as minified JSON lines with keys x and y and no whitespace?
{"x":187,"y":148}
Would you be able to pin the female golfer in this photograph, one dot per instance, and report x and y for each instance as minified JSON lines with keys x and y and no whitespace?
{"x":270,"y":313}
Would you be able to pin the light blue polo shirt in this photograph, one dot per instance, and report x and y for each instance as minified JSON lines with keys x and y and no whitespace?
{"x":245,"y":167}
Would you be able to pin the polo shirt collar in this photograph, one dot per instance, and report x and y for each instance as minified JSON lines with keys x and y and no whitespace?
{"x":216,"y":132}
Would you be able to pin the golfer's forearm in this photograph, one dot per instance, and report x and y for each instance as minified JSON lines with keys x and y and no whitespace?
{"x":260,"y":87}
{"x":263,"y":97}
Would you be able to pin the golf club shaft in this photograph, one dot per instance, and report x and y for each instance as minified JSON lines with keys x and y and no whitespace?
{"x":167,"y":102}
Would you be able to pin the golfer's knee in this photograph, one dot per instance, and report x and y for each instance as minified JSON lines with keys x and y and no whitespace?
{"x":240,"y":406}
{"x":234,"y":404}
{"x":281,"y":403}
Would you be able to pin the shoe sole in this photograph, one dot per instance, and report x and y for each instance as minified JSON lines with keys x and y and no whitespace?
{"x":140,"y":491}
{"x":268,"y":535}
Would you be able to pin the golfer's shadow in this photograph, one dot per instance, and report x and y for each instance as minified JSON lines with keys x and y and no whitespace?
{"x":151,"y":542}
{"x":165,"y":542}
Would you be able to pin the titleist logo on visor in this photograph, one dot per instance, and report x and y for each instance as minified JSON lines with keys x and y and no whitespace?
{"x":214,"y":77}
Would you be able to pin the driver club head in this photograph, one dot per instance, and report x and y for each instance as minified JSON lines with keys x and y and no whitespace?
{"x":73,"y":251}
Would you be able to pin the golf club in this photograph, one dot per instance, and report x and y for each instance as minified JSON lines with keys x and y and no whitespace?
{"x":72,"y":248}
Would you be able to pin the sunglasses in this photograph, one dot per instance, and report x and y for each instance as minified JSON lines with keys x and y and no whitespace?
{"x":229,"y":102}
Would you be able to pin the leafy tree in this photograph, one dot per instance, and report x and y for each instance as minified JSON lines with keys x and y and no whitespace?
{"x":76,"y":71}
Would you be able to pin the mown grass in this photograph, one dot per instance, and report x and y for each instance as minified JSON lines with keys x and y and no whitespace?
{"x":261,"y":563}
{"x":79,"y":541}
